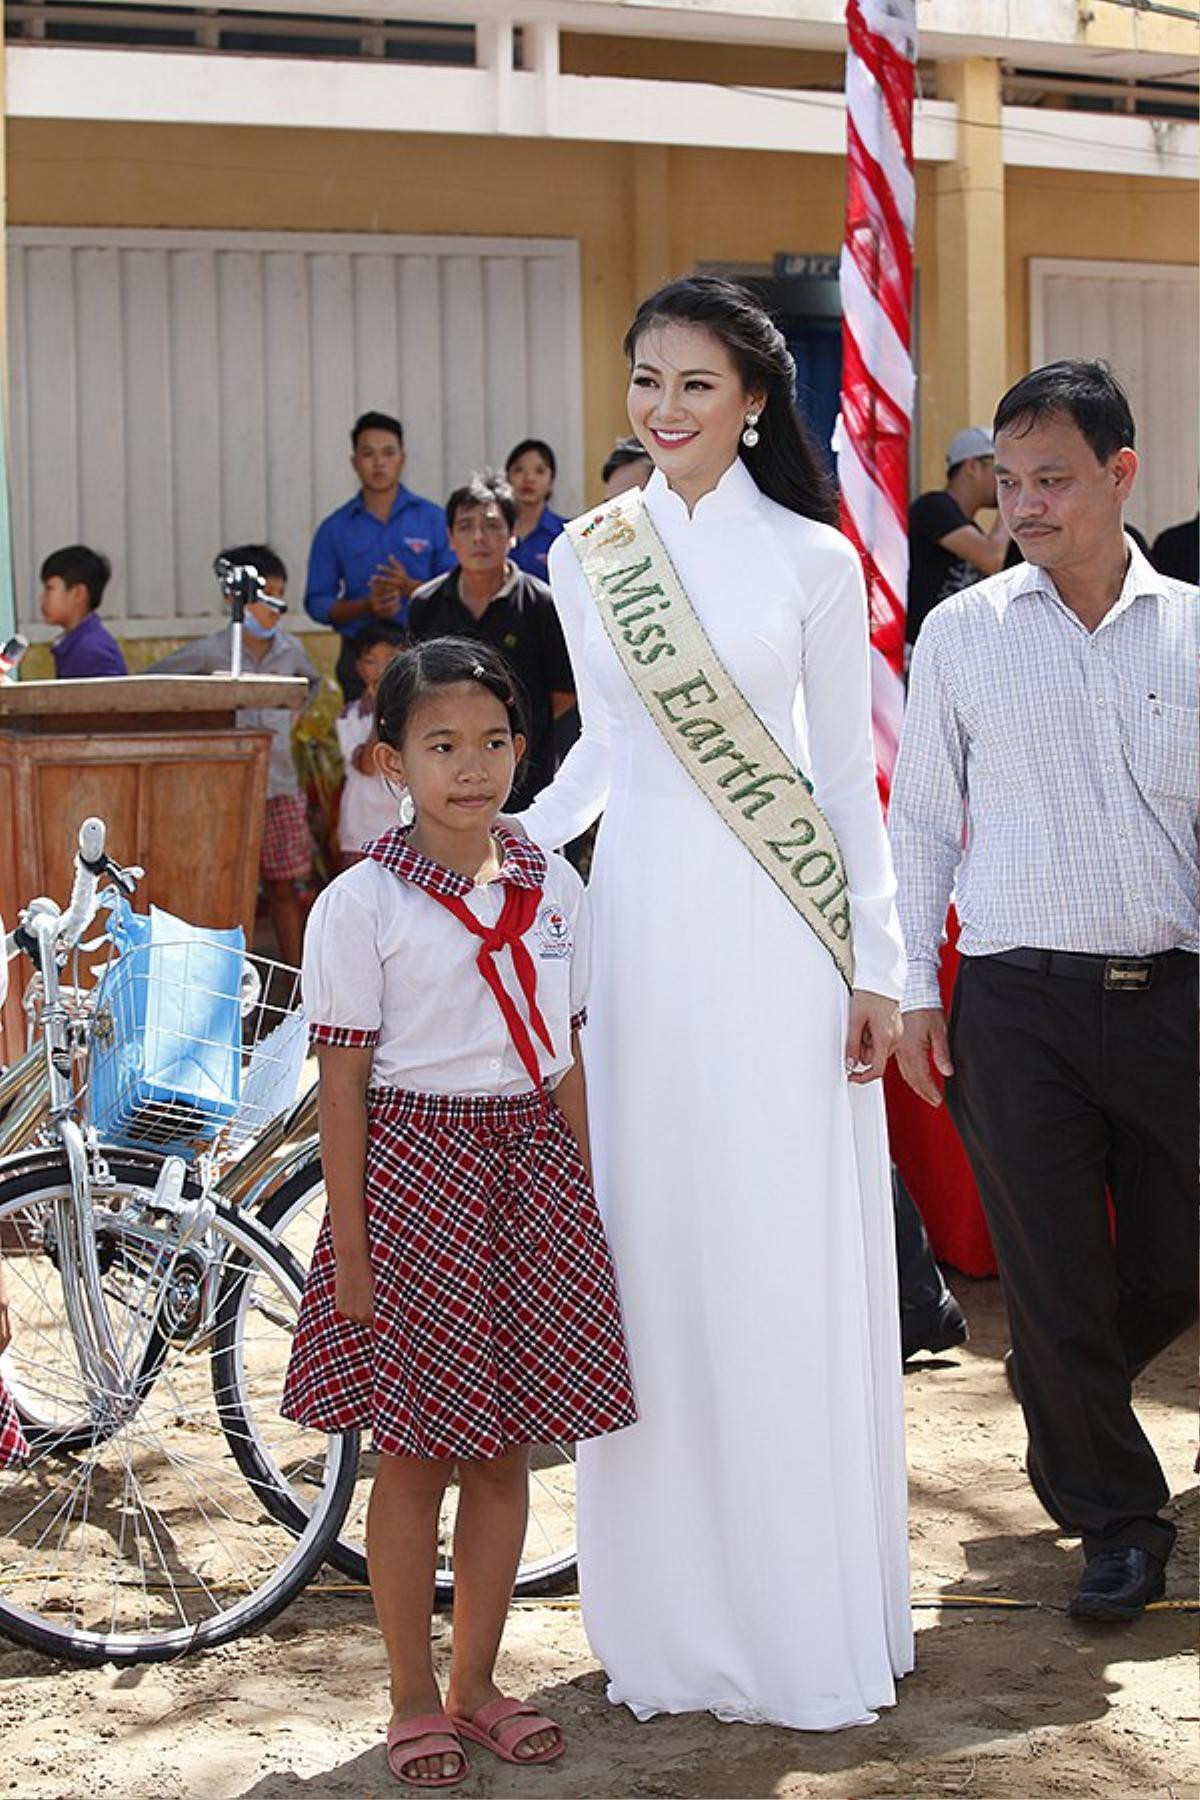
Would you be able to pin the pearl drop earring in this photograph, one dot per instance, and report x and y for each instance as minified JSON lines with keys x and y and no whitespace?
{"x":750,"y":435}
{"x":408,"y":811}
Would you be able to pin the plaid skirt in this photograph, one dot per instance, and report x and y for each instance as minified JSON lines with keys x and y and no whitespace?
{"x":286,"y":853}
{"x":13,"y":1448}
{"x":496,"y":1321}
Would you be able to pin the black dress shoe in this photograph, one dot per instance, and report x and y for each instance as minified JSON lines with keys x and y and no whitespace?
{"x":1118,"y":1584}
{"x":932,"y":1327}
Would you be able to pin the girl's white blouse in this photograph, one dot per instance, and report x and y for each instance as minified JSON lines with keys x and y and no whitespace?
{"x":368,"y":809}
{"x":386,"y":966}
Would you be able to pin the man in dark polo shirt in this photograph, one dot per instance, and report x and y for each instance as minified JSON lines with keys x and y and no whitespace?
{"x":489,"y":598}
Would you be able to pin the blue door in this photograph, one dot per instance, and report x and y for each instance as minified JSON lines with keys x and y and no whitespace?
{"x":816,"y":345}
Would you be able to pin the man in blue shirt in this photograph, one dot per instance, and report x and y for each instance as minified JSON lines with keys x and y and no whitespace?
{"x":369,"y":555}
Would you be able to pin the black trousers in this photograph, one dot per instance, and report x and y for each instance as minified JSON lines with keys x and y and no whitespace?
{"x":1063,"y":1089}
{"x":922,"y":1289}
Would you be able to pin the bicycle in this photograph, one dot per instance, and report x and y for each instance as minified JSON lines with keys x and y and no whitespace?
{"x":277,"y":1176}
{"x":160,"y":1319}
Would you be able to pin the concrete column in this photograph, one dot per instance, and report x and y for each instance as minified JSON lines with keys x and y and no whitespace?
{"x":965,"y":371}
{"x":540,"y":41}
{"x":494,"y":51}
{"x":7,"y":603}
{"x":651,"y":219}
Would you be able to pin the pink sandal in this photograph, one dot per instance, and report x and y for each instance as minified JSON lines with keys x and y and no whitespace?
{"x":433,"y":1734}
{"x":502,"y":1725}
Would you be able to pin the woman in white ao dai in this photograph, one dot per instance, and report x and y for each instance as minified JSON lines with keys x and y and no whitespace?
{"x":743,"y":1548}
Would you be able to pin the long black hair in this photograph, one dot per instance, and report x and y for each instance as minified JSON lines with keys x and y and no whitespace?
{"x":785,"y":462}
{"x":441,"y":662}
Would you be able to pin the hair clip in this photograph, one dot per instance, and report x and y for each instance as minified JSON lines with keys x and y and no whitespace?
{"x":478,"y":671}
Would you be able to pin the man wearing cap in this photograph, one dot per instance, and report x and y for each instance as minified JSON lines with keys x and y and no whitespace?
{"x":947,"y":551}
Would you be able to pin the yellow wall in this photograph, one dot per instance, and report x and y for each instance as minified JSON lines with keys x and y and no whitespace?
{"x":640,"y":214}
{"x":718,"y":206}
{"x":1114,"y":218}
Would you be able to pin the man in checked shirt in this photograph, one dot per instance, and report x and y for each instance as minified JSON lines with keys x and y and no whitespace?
{"x":1047,"y":778}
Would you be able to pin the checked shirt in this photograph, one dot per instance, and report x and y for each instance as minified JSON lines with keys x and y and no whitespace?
{"x":1047,"y":776}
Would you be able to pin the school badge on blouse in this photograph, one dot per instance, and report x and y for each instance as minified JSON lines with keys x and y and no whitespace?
{"x":552,"y":931}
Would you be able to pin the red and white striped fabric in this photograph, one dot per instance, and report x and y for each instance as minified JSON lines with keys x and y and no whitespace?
{"x":877,"y":373}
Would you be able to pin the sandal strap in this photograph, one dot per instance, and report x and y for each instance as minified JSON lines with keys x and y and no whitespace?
{"x":512,"y":1722}
{"x":437,"y":1728}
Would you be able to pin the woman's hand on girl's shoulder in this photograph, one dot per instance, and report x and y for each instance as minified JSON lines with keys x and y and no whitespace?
{"x":873,"y":1032}
{"x":354,"y":1290}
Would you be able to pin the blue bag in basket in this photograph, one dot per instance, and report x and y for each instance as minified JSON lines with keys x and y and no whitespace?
{"x":167,"y":1050}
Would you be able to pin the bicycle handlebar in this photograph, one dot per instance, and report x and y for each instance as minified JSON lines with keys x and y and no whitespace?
{"x":90,"y":865}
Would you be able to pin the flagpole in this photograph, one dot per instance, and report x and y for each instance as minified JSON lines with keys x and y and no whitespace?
{"x":8,"y":621}
{"x":876,"y":280}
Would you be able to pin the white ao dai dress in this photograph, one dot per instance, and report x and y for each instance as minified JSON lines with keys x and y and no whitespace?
{"x":743,"y":1547}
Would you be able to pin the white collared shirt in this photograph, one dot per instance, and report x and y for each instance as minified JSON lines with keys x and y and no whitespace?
{"x":388,"y":968}
{"x":1048,"y":775}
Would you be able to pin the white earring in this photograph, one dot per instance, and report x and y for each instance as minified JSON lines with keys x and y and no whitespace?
{"x":750,"y":435}
{"x":403,"y":799}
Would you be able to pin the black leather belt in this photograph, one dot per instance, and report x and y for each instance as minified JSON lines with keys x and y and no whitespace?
{"x":1121,"y":974}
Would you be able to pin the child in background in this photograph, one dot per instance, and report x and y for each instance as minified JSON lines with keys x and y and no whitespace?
{"x":73,"y":584}
{"x":461,"y":1301}
{"x":286,"y":856}
{"x":368,"y":809}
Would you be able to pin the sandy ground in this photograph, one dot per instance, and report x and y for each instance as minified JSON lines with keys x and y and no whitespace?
{"x":1003,"y":1701}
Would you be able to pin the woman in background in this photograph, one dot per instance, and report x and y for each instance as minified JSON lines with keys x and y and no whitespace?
{"x":531,"y":470}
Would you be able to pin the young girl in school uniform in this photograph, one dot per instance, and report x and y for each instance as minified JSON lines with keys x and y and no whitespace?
{"x":461,"y":1301}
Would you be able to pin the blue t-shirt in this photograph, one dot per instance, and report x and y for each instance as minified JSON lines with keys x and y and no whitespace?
{"x":88,"y":649}
{"x":352,"y":543}
{"x":530,"y":553}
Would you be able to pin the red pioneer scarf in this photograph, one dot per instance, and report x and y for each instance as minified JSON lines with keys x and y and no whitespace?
{"x":516,"y":916}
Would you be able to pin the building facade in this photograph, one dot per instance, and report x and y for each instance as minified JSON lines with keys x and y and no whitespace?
{"x":230,"y":230}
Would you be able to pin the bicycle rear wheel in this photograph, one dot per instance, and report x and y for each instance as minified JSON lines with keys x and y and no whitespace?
{"x":293,"y":1214}
{"x":146,"y":1541}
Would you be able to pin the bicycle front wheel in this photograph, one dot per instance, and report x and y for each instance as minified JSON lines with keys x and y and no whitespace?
{"x":133,"y":1535}
{"x":294,"y":1214}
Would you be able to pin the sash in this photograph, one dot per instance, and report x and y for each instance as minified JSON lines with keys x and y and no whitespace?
{"x":765,"y":800}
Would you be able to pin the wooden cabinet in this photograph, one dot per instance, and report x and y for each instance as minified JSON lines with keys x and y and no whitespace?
{"x":162,"y":760}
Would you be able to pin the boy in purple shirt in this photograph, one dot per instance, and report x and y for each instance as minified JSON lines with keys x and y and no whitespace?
{"x":73,"y":584}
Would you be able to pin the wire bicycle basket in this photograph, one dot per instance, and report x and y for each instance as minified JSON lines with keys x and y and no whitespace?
{"x":194,"y":1044}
